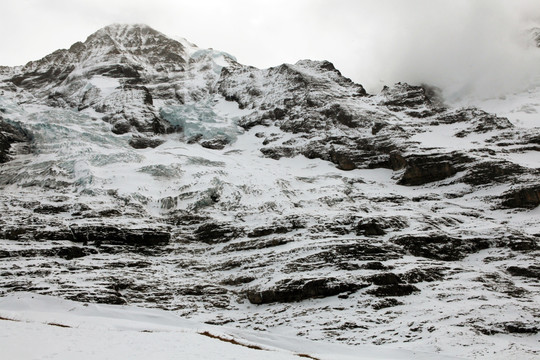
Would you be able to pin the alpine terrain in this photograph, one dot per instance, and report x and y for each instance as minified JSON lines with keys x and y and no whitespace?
{"x":140,"y":169}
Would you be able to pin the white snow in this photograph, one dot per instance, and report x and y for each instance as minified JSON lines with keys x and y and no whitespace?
{"x":42,"y":327}
{"x":106,"y":85}
{"x":522,"y":109}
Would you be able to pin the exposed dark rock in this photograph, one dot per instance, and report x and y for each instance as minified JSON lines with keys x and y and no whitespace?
{"x":423,"y":169}
{"x":419,"y":175}
{"x":342,"y":159}
{"x":256,"y":244}
{"x":139,"y":142}
{"x":386,"y":303}
{"x":510,"y":327}
{"x":109,"y":213}
{"x":229,"y":265}
{"x":518,"y":327}
{"x":519,"y":243}
{"x":277,"y":153}
{"x":482,"y":122}
{"x":374,"y":265}
{"x":377,"y":226}
{"x":393,"y":290}
{"x":181,"y":217}
{"x":526,"y":197}
{"x":118,"y":71}
{"x":114,"y":235}
{"x":238,"y":280}
{"x":440,"y":247}
{"x":194,"y":139}
{"x":64,"y":252}
{"x":212,"y":233}
{"x":384,"y":279}
{"x":10,"y":134}
{"x":110,"y":298}
{"x":40,"y":78}
{"x":396,"y":161}
{"x":51,"y":209}
{"x":343,"y":255}
{"x":417,"y":275}
{"x":340,"y":114}
{"x":479,"y":121}
{"x":493,"y":171}
{"x":298,"y":290}
{"x":403,"y":95}
{"x":378,"y":126}
{"x":121,"y":127}
{"x":202,"y":290}
{"x":494,"y":281}
{"x":57,"y":234}
{"x":530,"y":272}
{"x":279,"y":113}
{"x":73,"y":252}
{"x":268,"y":230}
{"x":216,"y":143}
{"x":16,"y":233}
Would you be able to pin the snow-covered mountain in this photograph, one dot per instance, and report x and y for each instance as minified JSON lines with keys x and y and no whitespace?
{"x":144,"y":170}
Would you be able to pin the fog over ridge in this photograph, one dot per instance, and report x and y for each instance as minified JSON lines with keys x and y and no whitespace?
{"x":468,"y":48}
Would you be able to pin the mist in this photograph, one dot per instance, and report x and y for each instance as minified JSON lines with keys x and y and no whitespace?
{"x":474,"y":49}
{"x":467,"y":48}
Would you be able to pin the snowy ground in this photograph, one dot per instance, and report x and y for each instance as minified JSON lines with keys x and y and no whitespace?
{"x":42,"y":327}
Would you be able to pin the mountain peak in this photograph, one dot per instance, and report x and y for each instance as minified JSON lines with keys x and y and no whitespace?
{"x":129,"y":35}
{"x":118,"y":30}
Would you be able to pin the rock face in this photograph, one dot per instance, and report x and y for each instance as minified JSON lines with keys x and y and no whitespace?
{"x":528,"y":197}
{"x":424,"y":170}
{"x":146,"y":170}
{"x":114,"y":235}
{"x":10,"y":135}
{"x":441,"y":247}
{"x":138,"y":142}
{"x":297,"y":290}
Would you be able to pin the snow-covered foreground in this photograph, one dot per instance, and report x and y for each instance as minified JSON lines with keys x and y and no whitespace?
{"x":43,"y":327}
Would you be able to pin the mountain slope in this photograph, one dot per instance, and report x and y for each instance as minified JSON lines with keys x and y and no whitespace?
{"x":145,"y":170}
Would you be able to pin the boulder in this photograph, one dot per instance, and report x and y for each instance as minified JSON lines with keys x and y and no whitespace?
{"x":216,"y":143}
{"x":139,"y":142}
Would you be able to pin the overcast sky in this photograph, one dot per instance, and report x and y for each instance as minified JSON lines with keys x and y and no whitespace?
{"x":464,"y":46}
